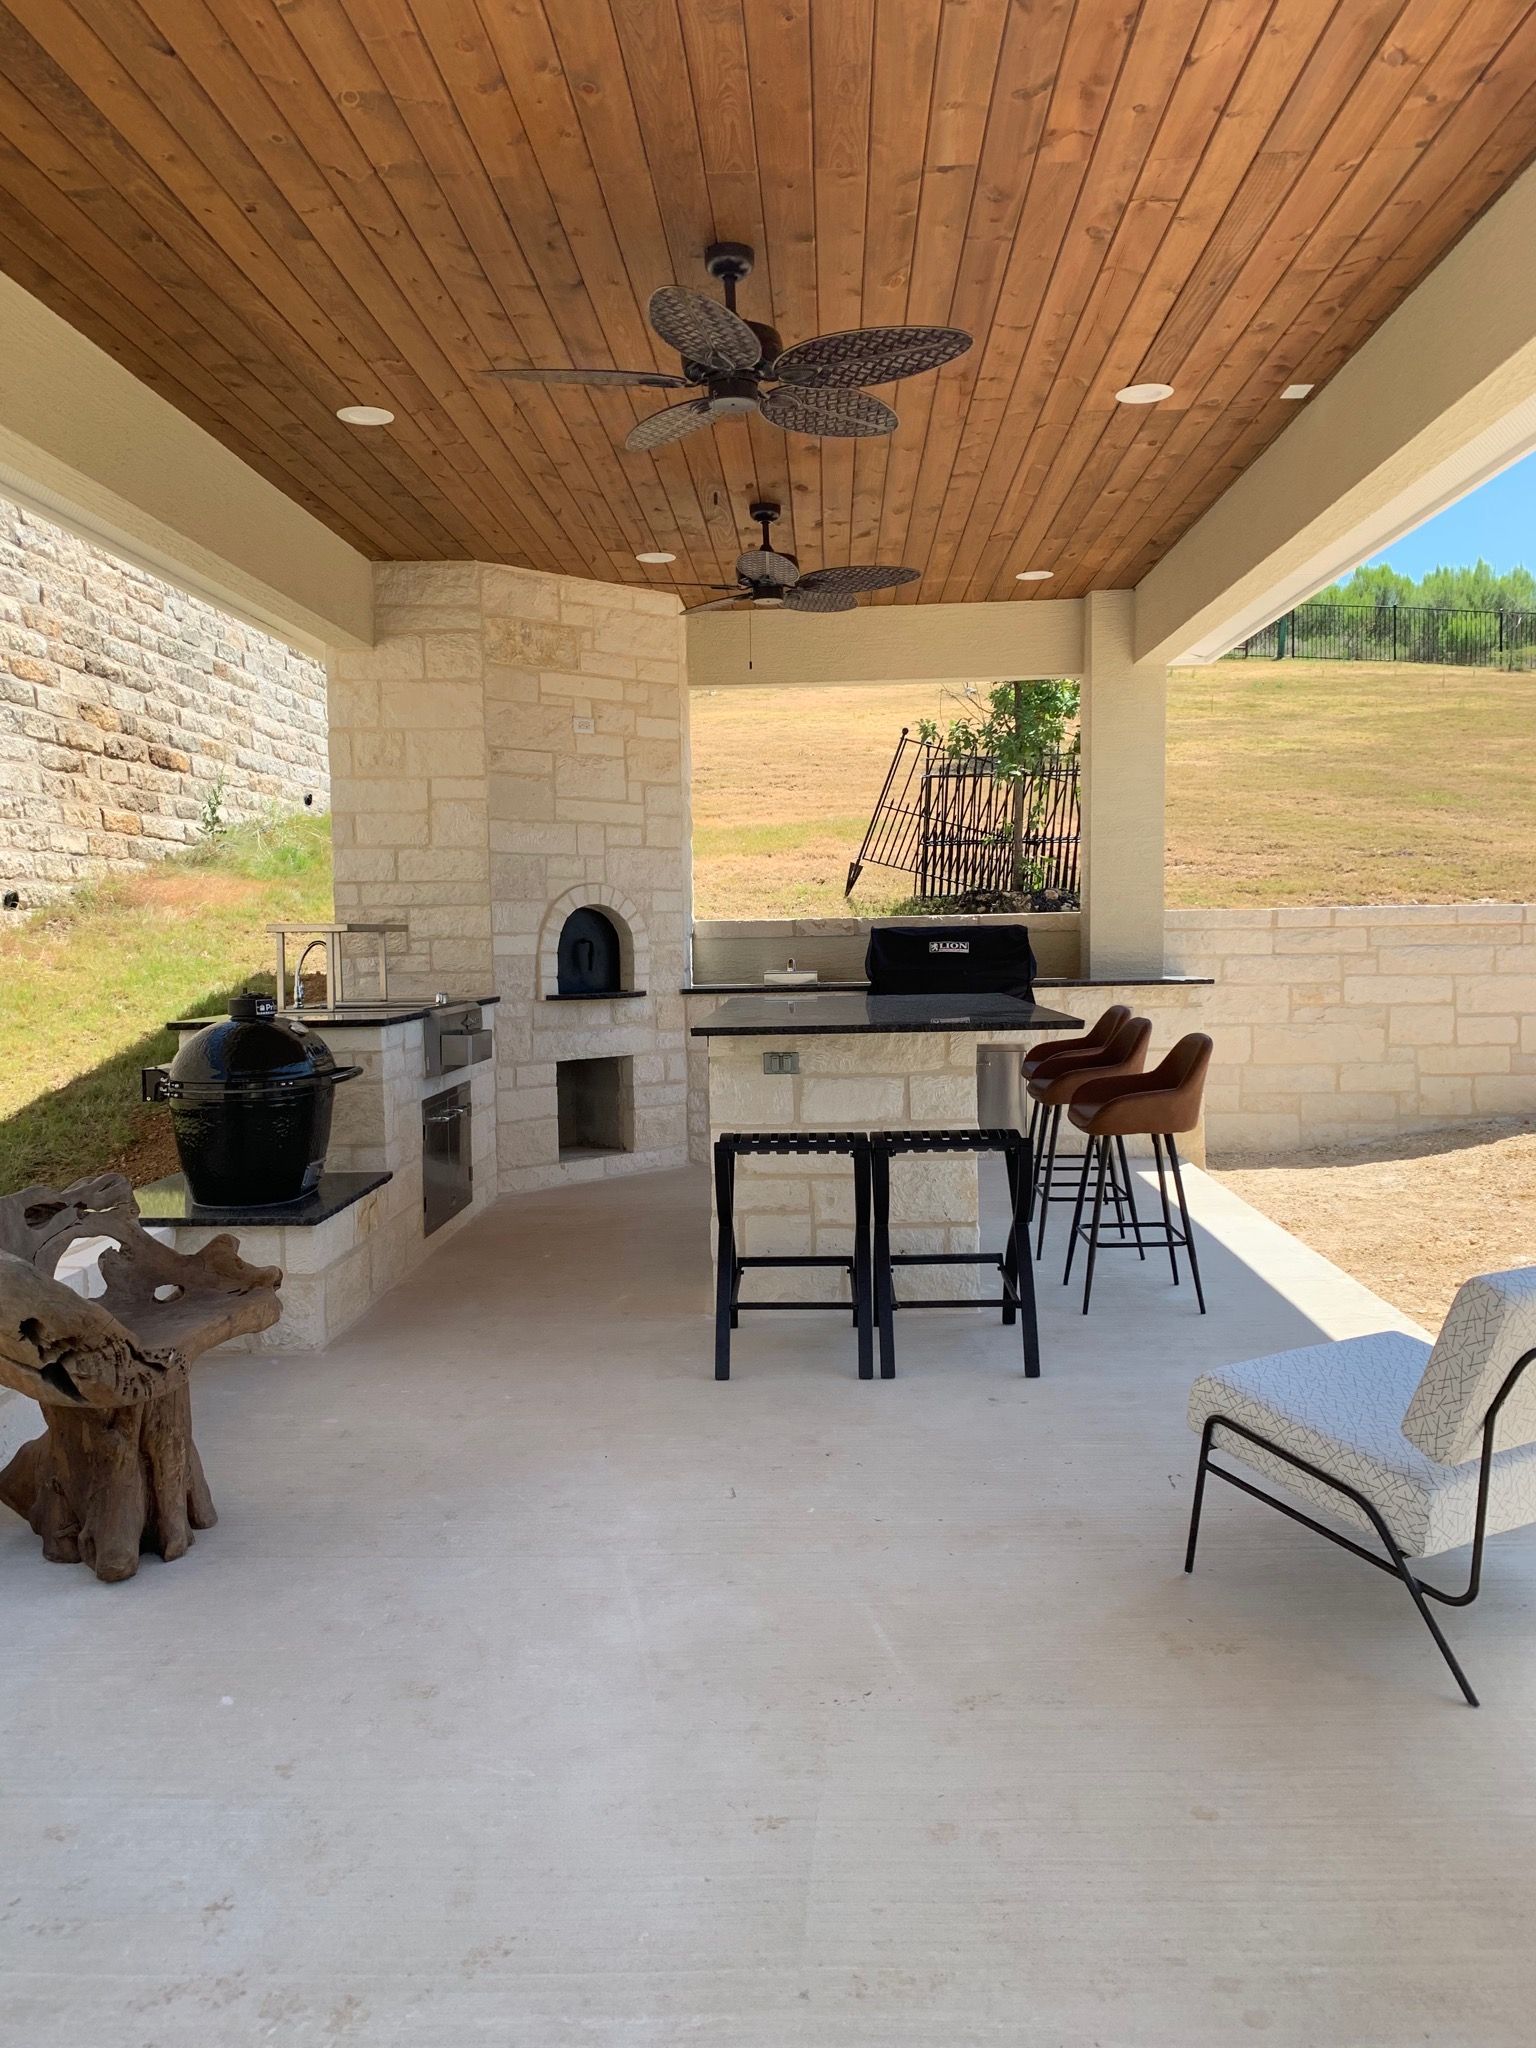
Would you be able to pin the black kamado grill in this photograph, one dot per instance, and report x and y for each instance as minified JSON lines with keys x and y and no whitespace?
{"x":251,"y":1102}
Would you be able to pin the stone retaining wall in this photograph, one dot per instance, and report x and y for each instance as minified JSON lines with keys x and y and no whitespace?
{"x":123,"y":702}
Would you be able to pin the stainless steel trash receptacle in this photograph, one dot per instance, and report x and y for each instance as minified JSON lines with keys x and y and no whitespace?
{"x":1001,"y":1103}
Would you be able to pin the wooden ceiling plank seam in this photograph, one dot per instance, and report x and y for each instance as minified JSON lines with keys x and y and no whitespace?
{"x":535,"y":78}
{"x":38,"y":190}
{"x":958,"y":109}
{"x":951,"y":388}
{"x":592,"y":64}
{"x":715,"y":81}
{"x":1261,"y":190}
{"x":1184,"y":455}
{"x":1112,"y":164}
{"x":23,"y":264}
{"x":1029,"y":52}
{"x":664,"y":232}
{"x":1079,"y":421}
{"x":783,"y":127}
{"x":842,"y":40}
{"x":218,"y":65}
{"x":454,"y":35}
{"x":201,"y":196}
{"x":1090,"y":65}
{"x":280,"y":52}
{"x":376,"y":110}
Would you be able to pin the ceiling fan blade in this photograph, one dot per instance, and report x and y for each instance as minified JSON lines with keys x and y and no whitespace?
{"x":869,"y":355}
{"x":829,"y":413}
{"x":766,"y":565}
{"x":670,"y":424}
{"x":648,"y":380}
{"x":802,"y":600}
{"x":703,"y":331}
{"x":715,"y":604}
{"x":860,"y":576}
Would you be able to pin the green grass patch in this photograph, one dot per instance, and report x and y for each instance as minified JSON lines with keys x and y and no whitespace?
{"x":89,"y":982}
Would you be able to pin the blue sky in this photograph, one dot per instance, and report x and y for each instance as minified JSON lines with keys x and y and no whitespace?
{"x":1497,"y":522}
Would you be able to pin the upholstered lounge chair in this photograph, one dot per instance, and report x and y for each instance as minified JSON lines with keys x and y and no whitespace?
{"x":1427,"y":1447}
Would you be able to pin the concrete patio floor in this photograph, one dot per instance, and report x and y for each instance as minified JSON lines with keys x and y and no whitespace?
{"x":536,"y":1690}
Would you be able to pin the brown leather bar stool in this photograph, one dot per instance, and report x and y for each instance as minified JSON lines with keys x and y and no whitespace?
{"x":1093,"y":1040}
{"x":1108,"y":1110}
{"x":1055,"y":1085}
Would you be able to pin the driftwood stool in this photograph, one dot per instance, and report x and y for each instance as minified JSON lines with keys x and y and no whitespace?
{"x":116,"y":1471}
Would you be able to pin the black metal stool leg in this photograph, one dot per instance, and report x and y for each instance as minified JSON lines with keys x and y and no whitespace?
{"x":880,"y":1194}
{"x":1130,"y":1198}
{"x":1032,"y":1153}
{"x":863,"y":1292}
{"x":1017,"y":1199}
{"x":1048,"y":1177}
{"x":1077,"y":1213}
{"x":1022,"y":1277}
{"x":1098,"y":1211}
{"x":1162,"y":1189}
{"x":725,"y":1255}
{"x":1189,"y":1232}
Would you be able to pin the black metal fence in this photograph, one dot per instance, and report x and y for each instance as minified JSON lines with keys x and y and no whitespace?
{"x":1454,"y":637}
{"x":949,"y":822}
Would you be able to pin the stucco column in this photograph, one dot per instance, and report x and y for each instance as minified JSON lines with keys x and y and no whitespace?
{"x":1124,"y":717}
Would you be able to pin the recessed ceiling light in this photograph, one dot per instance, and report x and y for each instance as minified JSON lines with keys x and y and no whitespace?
{"x":364,"y":415}
{"x":655,"y":555}
{"x":1297,"y":390}
{"x":1033,"y":575}
{"x":1143,"y":394}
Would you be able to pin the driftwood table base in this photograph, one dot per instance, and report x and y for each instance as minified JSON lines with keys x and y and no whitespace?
{"x":116,"y":1472}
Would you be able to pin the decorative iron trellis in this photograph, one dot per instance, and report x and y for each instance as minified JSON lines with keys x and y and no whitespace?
{"x":1454,"y":636}
{"x":948,"y":821}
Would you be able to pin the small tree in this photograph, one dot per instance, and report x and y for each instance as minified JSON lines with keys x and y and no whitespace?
{"x":1021,"y":726}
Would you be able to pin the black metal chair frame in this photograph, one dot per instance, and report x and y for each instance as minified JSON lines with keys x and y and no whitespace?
{"x":1419,"y":1590}
{"x":1017,"y":1299}
{"x":1056,"y":1176}
{"x":731,"y":1266}
{"x":1134,"y":1233}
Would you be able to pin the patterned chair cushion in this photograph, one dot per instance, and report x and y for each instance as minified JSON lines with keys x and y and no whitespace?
{"x":1492,"y":1323}
{"x":1340,"y":1406}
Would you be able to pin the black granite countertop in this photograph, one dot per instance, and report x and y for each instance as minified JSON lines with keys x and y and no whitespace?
{"x":761,"y":988}
{"x":407,"y":1011}
{"x":168,"y":1202}
{"x":821,"y":1013}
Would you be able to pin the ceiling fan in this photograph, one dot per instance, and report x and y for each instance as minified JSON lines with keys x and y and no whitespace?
{"x":731,"y":360}
{"x":773,"y":581}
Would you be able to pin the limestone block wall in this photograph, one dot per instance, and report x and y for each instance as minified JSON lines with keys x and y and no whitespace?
{"x":123,"y":704}
{"x":1330,"y":1024}
{"x":1360,"y":1021}
{"x":742,"y":949}
{"x":515,"y":746}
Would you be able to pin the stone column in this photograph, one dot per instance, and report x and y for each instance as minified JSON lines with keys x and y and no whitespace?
{"x":1124,"y":714}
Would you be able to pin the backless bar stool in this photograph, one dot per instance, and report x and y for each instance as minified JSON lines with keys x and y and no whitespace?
{"x":730,"y":1265}
{"x":1056,"y":1083}
{"x":1017,"y":1299}
{"x":1156,"y":1106}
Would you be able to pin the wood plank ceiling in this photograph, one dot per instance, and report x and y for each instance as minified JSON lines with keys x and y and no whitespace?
{"x":270,"y":208}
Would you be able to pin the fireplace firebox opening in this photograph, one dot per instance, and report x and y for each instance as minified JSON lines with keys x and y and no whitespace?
{"x":596,"y":1101}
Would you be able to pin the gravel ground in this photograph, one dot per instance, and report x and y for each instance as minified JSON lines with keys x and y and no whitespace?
{"x":1412,"y":1216}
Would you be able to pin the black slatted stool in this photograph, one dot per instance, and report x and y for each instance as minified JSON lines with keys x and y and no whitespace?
{"x":1017,"y":1299}
{"x":730,"y":1266}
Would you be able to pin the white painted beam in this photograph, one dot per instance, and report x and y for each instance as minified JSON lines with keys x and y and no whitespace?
{"x":84,"y":443}
{"x":896,"y":643}
{"x":1442,"y":397}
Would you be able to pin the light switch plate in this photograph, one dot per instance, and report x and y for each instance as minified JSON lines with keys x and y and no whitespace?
{"x":583,"y":725}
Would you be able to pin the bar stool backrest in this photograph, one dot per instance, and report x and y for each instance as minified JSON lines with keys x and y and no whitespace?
{"x":1105,"y":1025}
{"x":1491,"y":1325}
{"x":1166,"y":1100}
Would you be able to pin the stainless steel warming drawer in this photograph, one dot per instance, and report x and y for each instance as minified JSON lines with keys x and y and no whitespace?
{"x":447,"y":1170}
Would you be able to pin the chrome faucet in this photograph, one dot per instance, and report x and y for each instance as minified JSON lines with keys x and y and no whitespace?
{"x":298,"y":974}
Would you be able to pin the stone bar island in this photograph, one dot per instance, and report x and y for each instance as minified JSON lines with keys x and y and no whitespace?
{"x":825,"y":1061}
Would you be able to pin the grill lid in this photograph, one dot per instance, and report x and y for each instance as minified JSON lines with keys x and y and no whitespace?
{"x":253,"y":1055}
